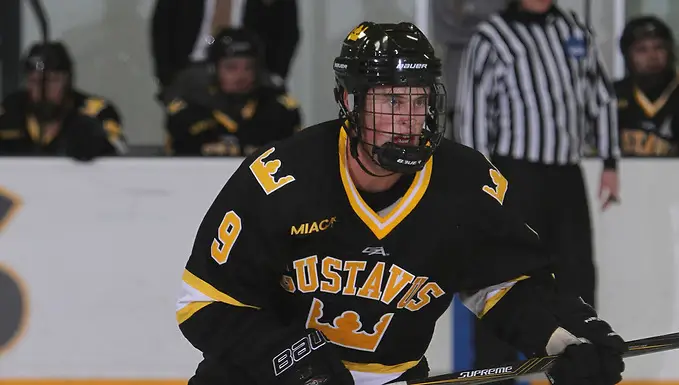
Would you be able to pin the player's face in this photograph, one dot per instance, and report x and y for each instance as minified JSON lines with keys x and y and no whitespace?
{"x":648,"y":56}
{"x":55,"y":82}
{"x":395,"y":114}
{"x":236,"y":75}
{"x":536,"y":6}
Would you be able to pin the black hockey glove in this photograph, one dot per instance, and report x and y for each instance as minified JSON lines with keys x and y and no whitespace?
{"x":311,"y":361}
{"x":591,"y":352}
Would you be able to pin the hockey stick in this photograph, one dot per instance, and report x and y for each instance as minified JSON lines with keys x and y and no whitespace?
{"x":43,"y":24}
{"x":42,"y":19}
{"x":539,"y":364}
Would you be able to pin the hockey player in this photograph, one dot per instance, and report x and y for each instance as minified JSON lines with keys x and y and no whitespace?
{"x":236,"y":110}
{"x":328,"y":257}
{"x":648,"y":98}
{"x":67,"y":122}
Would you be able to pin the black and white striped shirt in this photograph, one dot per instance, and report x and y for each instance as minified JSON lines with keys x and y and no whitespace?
{"x":532,"y":87}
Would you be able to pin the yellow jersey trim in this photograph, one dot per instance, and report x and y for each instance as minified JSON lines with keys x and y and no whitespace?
{"x":210,"y":291}
{"x":652,"y":108}
{"x":379,"y":368}
{"x":189,"y":310}
{"x":492,"y":301}
{"x":382,"y":226}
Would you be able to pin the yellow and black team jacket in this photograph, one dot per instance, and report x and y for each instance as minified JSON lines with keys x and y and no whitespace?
{"x":648,"y":126}
{"x":224,"y":126}
{"x":91,"y":128}
{"x":290,"y":244}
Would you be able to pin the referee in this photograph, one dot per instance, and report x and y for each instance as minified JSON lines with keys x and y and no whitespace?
{"x":531,"y":87}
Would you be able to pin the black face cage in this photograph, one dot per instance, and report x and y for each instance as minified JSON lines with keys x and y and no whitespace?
{"x":400,"y":126}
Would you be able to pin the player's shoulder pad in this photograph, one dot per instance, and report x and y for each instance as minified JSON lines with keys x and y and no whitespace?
{"x":16,"y":101}
{"x":292,"y":165}
{"x":270,"y":167}
{"x":277,"y":96}
{"x":476,"y":174}
{"x":624,"y":90}
{"x":623,"y":85}
{"x":92,"y":105}
{"x":175,"y":105}
{"x":287,"y":101}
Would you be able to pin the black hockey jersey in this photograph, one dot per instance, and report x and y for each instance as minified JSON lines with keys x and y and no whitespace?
{"x":290,"y":244}
{"x":210,"y":126}
{"x":91,"y":128}
{"x":648,"y":128}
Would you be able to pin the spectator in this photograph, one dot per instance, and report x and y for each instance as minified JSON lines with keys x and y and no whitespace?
{"x":181,"y":33}
{"x":62,"y":120}
{"x":648,"y":94}
{"x":275,"y":22}
{"x":236,"y":109}
{"x":530,"y":86}
{"x":454,"y":23}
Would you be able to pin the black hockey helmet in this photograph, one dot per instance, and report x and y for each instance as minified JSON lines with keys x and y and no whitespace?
{"x":49,"y":57}
{"x":394,"y":55}
{"x":52,"y":56}
{"x":235,"y":42}
{"x":240,"y":42}
{"x":644,"y":27}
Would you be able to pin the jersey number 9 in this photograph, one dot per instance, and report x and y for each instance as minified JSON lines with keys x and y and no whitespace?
{"x":228,"y":231}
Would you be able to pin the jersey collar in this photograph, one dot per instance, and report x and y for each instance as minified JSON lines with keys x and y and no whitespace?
{"x":381,"y":226}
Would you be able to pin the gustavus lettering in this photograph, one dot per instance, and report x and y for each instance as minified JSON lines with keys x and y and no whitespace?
{"x":335,"y":276}
{"x":351,"y":278}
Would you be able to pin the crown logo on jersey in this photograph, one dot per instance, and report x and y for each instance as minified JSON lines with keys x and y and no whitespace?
{"x":346,"y":329}
{"x":357,"y":33}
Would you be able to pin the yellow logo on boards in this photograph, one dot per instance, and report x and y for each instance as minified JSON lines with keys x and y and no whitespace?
{"x":14,"y":298}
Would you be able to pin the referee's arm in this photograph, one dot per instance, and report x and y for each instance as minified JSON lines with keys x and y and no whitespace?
{"x":475,"y":93}
{"x":604,"y":115}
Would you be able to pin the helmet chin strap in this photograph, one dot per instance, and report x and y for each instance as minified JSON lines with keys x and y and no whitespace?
{"x":353,"y":148}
